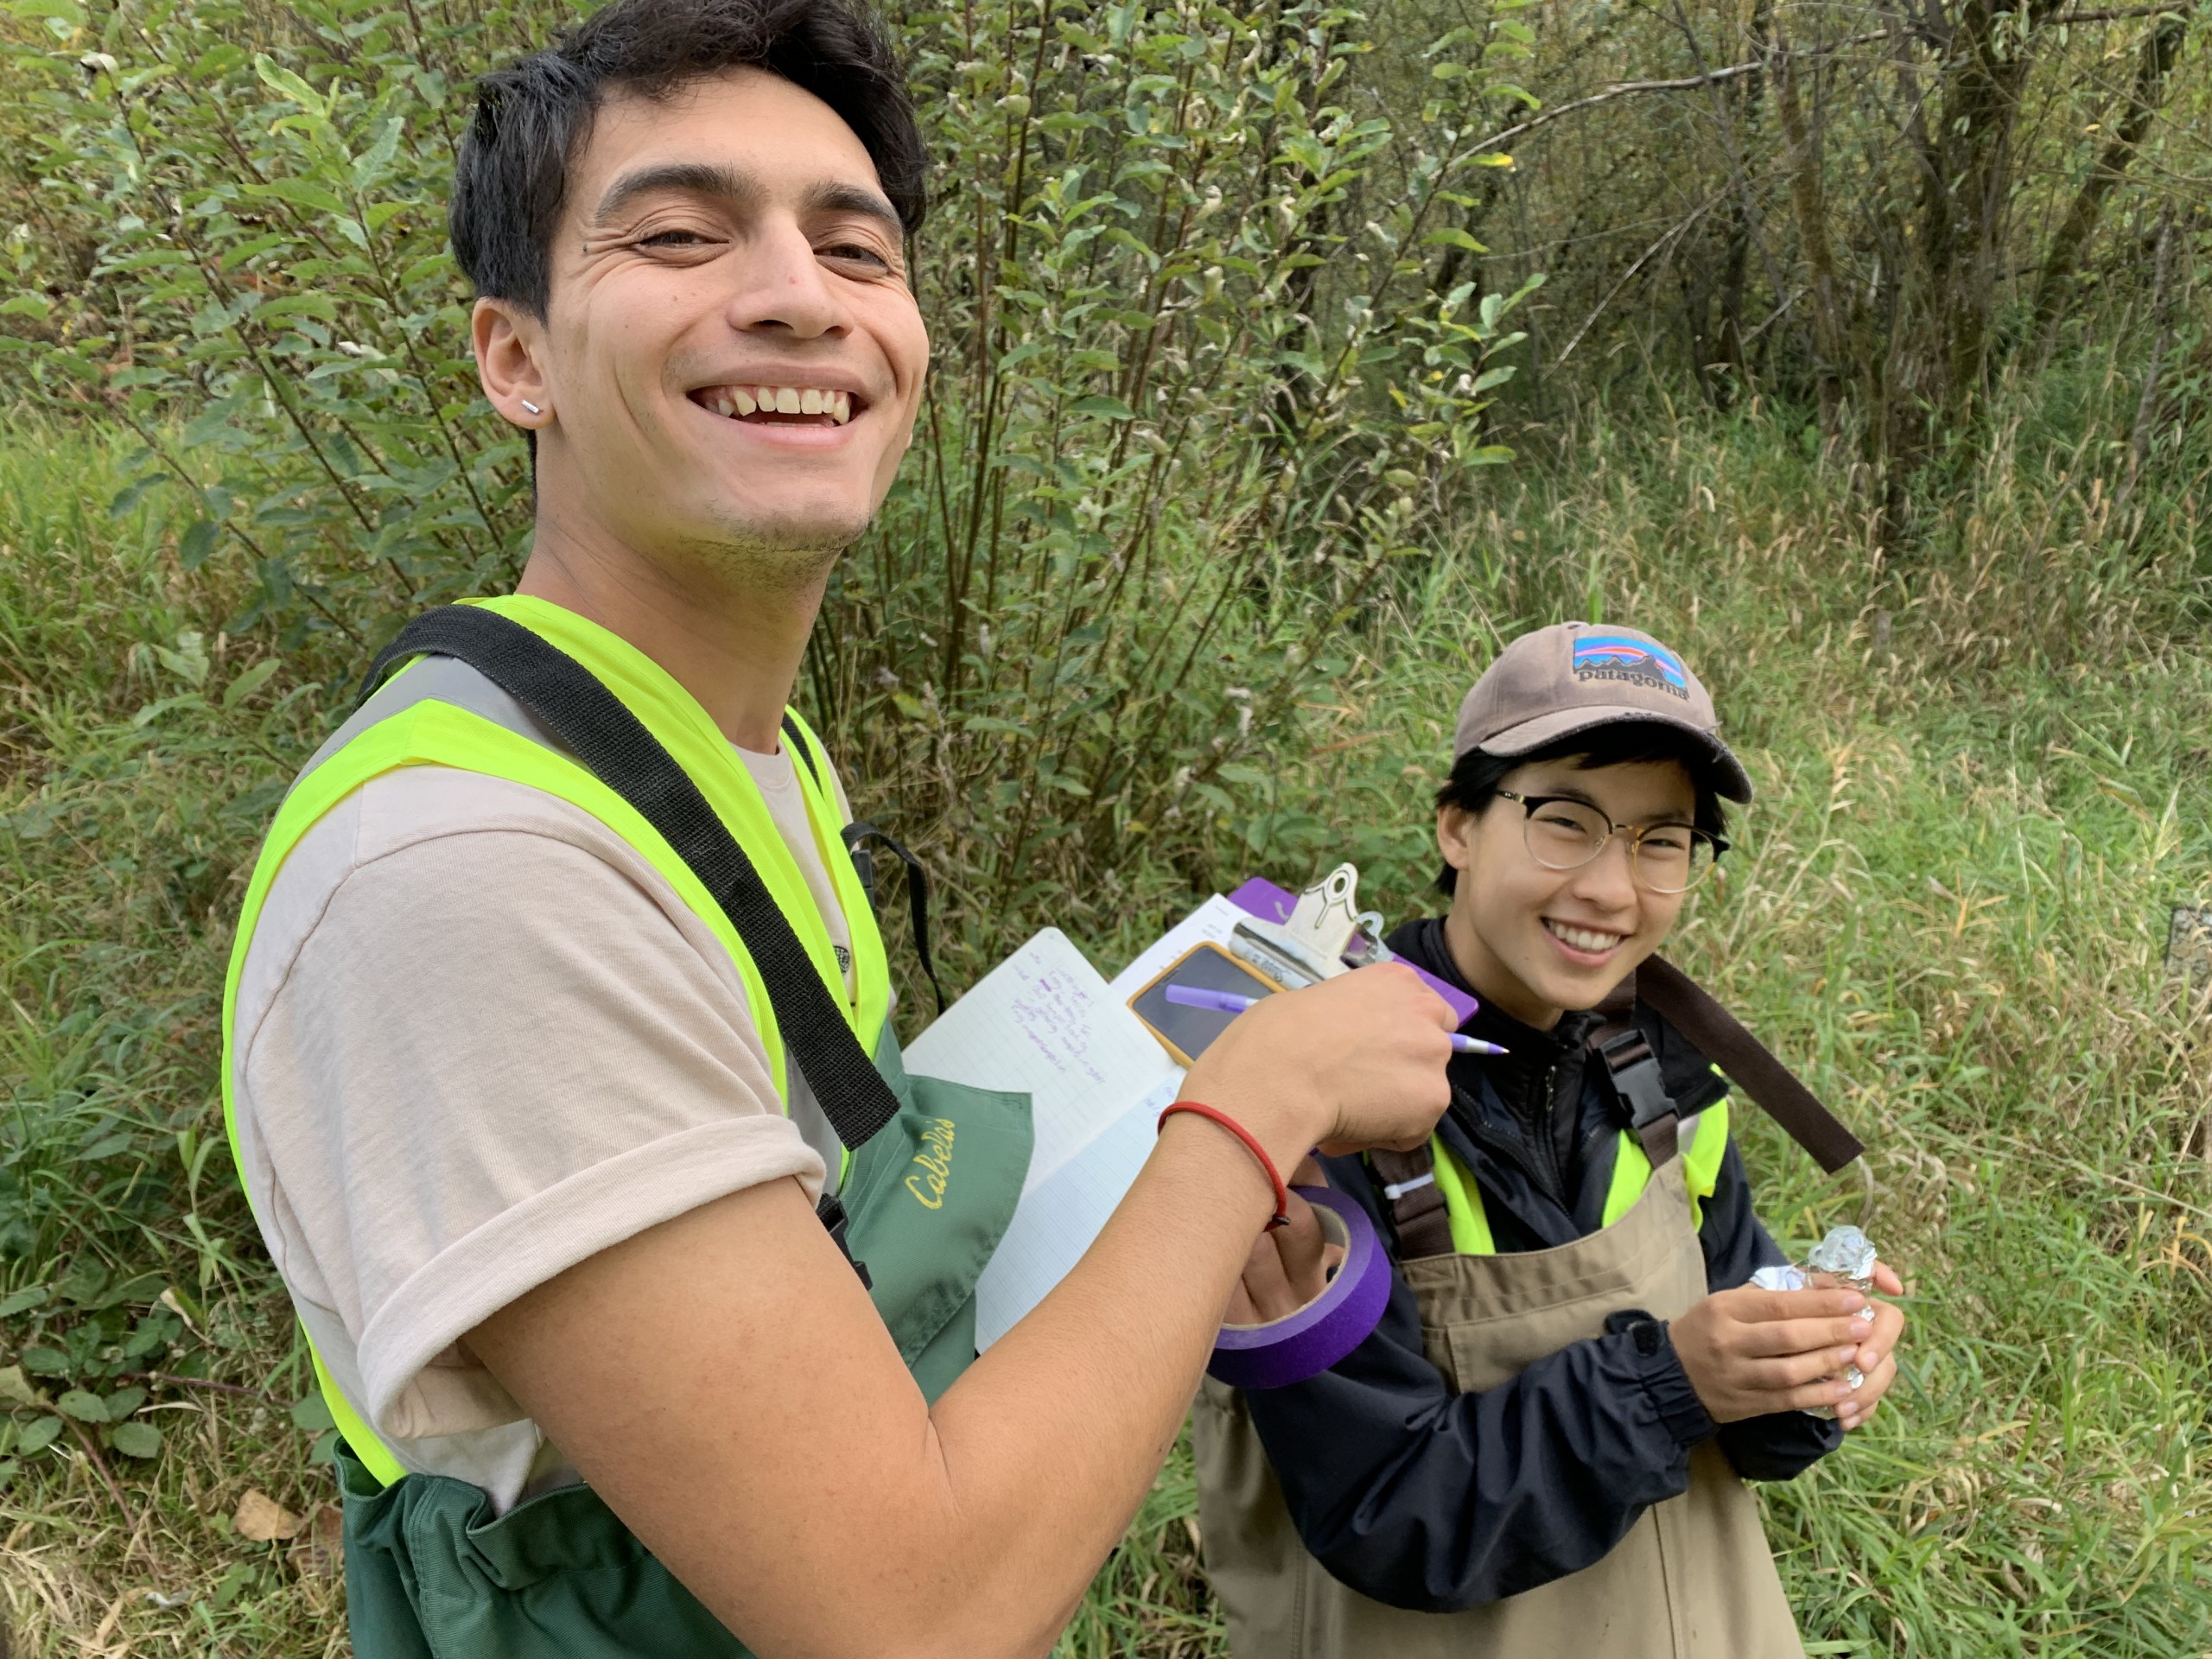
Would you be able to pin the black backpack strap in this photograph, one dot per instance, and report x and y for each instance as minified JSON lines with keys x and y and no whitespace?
{"x":856,"y":836}
{"x":614,"y":745}
{"x":796,"y":741}
{"x":1721,"y":1038}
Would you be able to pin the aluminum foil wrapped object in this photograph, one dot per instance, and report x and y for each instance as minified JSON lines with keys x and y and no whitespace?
{"x":1846,"y":1255}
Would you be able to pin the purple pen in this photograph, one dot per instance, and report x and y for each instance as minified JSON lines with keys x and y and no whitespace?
{"x":1197,"y":996}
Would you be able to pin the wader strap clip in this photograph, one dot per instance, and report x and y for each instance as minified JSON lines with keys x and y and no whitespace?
{"x":1417,"y":1208}
{"x":1635,"y":1071}
{"x":831,"y":1212}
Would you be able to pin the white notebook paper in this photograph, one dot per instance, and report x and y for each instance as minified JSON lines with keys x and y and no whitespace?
{"x":1044,"y":1022}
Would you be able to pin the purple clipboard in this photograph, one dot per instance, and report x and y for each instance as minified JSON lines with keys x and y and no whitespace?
{"x":1264,"y":899}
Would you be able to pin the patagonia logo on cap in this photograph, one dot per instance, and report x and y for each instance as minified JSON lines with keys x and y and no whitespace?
{"x":1618,"y":657}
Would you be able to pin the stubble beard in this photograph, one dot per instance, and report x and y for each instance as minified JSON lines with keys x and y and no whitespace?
{"x":788,"y":558}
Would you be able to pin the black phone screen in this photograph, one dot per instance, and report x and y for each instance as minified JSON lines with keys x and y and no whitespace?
{"x":1188,"y":1031}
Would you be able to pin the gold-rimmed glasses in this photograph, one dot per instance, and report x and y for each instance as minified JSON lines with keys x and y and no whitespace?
{"x":1565,"y":833}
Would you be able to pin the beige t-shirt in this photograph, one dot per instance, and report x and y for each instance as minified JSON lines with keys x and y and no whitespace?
{"x":480,"y":1038}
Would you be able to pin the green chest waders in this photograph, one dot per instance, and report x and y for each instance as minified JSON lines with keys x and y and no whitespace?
{"x":430,"y":1571}
{"x":932,"y":1169}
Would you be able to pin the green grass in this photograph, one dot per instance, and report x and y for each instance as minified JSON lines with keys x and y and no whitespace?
{"x":1982,"y":781}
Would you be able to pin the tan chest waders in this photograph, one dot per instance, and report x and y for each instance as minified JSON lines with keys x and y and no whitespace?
{"x":1692,"y":1577}
{"x":431,"y":1572}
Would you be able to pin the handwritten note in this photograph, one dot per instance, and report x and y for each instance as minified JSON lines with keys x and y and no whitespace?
{"x":1043,"y":1022}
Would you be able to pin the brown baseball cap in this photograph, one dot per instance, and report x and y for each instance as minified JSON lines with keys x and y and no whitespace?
{"x":1572,"y":676}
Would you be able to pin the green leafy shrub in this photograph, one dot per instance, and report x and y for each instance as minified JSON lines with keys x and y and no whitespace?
{"x":1196,"y":389}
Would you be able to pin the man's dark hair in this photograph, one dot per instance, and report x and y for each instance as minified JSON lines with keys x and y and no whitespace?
{"x":1476,"y":776}
{"x":534,"y":118}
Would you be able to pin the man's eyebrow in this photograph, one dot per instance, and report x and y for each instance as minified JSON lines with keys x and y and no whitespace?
{"x":832,"y":198}
{"x":689,"y":178}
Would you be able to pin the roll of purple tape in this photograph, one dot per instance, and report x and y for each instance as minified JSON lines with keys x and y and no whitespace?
{"x":1306,"y":1343}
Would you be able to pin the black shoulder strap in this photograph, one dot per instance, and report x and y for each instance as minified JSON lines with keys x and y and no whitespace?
{"x":614,"y":745}
{"x":796,"y":741}
{"x":856,"y":836}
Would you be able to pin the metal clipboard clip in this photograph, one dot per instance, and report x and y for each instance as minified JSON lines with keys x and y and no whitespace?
{"x":1327,"y":934}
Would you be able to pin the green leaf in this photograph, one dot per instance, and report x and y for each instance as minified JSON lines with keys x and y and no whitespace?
{"x":281,"y":79}
{"x":135,"y":1439}
{"x":1110,"y":408}
{"x":197,"y":543}
{"x":23,"y":1300}
{"x":188,"y":660}
{"x":124,"y":1402}
{"x":311,"y":1413}
{"x":86,"y":1408}
{"x":38,"y":1435}
{"x":251,"y":682}
{"x":1453,"y":237}
{"x":26,"y":305}
{"x":62,"y":11}
{"x":130,"y":495}
{"x":16,"y":1389}
{"x":44,"y":1362}
{"x":370,"y":164}
{"x":318,"y":306}
{"x":302,"y":192}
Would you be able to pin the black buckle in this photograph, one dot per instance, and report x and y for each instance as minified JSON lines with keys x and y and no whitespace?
{"x":837,"y":1222}
{"x":1636,"y":1084}
{"x":864,"y":867}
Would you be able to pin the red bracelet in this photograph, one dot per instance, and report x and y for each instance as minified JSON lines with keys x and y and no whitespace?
{"x":1274,"y":1179}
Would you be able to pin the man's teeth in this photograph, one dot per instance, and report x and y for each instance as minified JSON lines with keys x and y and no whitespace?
{"x":738,"y":401}
{"x":1583,"y":938}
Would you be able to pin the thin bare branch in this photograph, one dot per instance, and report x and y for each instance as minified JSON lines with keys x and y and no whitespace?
{"x":1680,"y":83}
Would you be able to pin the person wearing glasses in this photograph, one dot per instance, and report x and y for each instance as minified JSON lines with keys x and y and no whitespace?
{"x":1543,"y":1447}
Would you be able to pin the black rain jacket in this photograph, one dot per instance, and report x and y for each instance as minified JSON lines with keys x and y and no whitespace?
{"x":1437,"y":1501}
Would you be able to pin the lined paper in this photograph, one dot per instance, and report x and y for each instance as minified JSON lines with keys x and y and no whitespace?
{"x":1045,"y":1023}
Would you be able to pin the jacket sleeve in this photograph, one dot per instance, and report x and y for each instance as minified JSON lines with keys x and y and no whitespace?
{"x":1783,"y":1445}
{"x":1436,"y":1501}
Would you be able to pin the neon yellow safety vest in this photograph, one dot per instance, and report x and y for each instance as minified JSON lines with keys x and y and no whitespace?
{"x":427,"y":731}
{"x":1704,"y":1141}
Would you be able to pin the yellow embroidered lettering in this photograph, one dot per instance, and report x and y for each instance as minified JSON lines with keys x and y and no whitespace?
{"x":935,"y":1162}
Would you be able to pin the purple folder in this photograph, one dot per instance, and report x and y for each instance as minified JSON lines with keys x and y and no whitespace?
{"x":1264,"y":899}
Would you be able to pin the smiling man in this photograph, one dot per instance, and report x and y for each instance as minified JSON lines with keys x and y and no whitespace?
{"x":557,"y":1058}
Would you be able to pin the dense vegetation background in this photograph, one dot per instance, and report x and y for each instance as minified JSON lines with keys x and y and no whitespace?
{"x":1289,"y":357}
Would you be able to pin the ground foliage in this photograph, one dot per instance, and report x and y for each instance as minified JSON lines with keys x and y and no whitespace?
{"x":1204,"y":532}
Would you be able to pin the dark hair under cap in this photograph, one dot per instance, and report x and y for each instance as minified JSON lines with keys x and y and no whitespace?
{"x":533,"y":118}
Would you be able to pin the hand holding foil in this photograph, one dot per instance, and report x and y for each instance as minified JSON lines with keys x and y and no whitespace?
{"x":1846,"y":1257}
